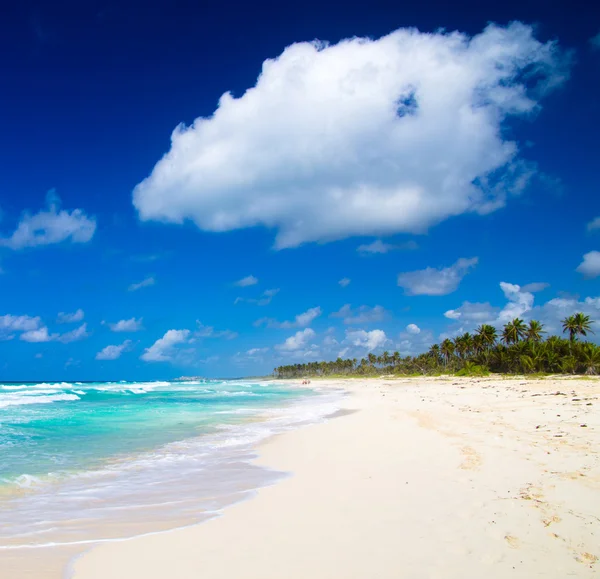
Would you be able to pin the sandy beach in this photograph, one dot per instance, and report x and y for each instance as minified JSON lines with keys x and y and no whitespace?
{"x":420,"y":478}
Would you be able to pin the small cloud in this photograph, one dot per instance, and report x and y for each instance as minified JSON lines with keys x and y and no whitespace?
{"x":130,"y":325}
{"x":360,"y":315}
{"x":39,"y":335}
{"x":246,"y":281}
{"x":413,"y":329}
{"x":368,"y":340}
{"x":144,"y":283}
{"x":595,"y":42}
{"x":265,"y":299}
{"x":51,"y":226}
{"x":75,"y":335}
{"x":64,"y":318}
{"x":436,"y":282}
{"x":535,"y":287}
{"x":149,"y":258}
{"x":298,"y":341}
{"x":38,"y":356}
{"x":345,"y":281}
{"x":113,"y":352}
{"x":9,"y":325}
{"x":594,"y":224}
{"x":300,"y":321}
{"x":209,"y":332}
{"x":476,"y":313}
{"x":163,"y":350}
{"x":379,"y":246}
{"x":590,"y":266}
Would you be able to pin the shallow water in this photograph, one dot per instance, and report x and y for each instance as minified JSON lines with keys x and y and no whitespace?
{"x":82,"y":463}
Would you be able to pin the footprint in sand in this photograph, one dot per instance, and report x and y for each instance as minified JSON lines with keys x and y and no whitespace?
{"x":587,"y":558}
{"x":471,"y":459}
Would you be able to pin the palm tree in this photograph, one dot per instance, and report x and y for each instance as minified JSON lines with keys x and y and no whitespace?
{"x":535,"y":331}
{"x":514,"y":331}
{"x":434,"y":353}
{"x":478,"y":344}
{"x":447,"y":349}
{"x":488,"y":334}
{"x":591,"y":358}
{"x":578,"y":323}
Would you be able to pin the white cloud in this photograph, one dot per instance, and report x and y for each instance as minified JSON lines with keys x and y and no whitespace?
{"x":51,"y":226}
{"x":436,"y":282}
{"x":367,"y":340}
{"x":130,"y":325}
{"x":203,"y":331}
{"x":345,"y":282}
{"x":413,"y":329}
{"x":113,"y":352}
{"x":590,"y":266}
{"x":10,"y":324}
{"x":246,"y":281}
{"x":364,"y":137}
{"x":535,"y":287}
{"x":379,"y":246}
{"x":253,"y":352}
{"x":519,"y":304}
{"x":65,"y":318}
{"x":298,"y":341}
{"x":360,"y":315}
{"x":163,"y":350}
{"x":594,"y":224}
{"x":300,"y":321}
{"x":473,"y":313}
{"x":264,"y":300}
{"x":144,"y":283}
{"x":32,"y":330}
{"x":39,"y":335}
{"x":79,"y":333}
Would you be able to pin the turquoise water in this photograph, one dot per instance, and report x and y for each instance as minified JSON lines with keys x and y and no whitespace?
{"x":91,"y":461}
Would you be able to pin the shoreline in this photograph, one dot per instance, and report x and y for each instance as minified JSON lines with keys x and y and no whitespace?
{"x":234,"y":445}
{"x":476,"y":471}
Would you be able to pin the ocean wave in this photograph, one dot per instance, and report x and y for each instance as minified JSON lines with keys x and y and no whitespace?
{"x":18,"y":400}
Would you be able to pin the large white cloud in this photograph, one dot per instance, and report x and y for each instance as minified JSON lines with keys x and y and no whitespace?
{"x":364,"y":137}
{"x":436,"y":282}
{"x":51,"y":226}
{"x":590,"y":266}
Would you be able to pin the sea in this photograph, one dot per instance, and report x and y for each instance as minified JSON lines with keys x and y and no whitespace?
{"x":88,"y":462}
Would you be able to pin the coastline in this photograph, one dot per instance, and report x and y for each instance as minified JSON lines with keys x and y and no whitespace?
{"x":209,"y":472}
{"x":433,"y":477}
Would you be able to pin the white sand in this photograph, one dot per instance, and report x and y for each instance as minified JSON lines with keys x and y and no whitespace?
{"x":428,"y":479}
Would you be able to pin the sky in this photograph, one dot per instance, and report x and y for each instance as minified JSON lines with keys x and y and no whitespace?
{"x":218,"y":189}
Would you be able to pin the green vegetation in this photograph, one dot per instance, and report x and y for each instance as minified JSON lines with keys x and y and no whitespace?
{"x":521,"y":349}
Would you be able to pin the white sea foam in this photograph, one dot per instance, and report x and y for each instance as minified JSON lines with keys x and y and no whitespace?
{"x":22,"y":400}
{"x":179,"y":483}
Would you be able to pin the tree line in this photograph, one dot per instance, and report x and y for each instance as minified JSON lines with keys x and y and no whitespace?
{"x":519,"y":348}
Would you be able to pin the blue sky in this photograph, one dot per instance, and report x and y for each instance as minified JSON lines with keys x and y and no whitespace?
{"x":184,"y":187}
